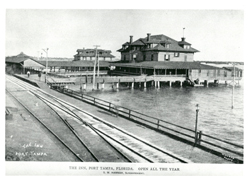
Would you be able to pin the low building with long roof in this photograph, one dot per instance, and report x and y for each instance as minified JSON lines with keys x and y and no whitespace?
{"x":22,"y":63}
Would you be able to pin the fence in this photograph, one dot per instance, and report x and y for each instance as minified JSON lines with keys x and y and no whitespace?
{"x":219,"y":147}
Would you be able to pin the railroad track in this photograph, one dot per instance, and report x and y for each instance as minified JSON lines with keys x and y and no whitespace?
{"x":119,"y":145}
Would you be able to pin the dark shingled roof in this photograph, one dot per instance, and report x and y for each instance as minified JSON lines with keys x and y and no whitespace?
{"x":183,"y":43}
{"x":166,"y":65}
{"x":174,"y":45}
{"x":138,"y":42}
{"x":19,"y":58}
{"x":92,"y":53}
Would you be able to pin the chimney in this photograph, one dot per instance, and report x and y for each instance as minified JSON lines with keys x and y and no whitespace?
{"x":148,"y":36}
{"x":131,"y":39}
{"x":183,"y":39}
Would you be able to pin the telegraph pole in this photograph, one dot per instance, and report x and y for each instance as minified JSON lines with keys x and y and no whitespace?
{"x":98,"y":66}
{"x":46,"y":51}
{"x":95,"y":66}
{"x":233,"y":86}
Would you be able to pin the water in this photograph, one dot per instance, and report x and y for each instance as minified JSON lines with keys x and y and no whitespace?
{"x":178,"y":105}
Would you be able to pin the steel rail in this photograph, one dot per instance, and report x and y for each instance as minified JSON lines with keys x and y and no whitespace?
{"x":87,"y":124}
{"x":68,"y":125}
{"x":45,"y":126}
{"x":56,"y":99}
{"x":95,"y":130}
{"x":182,"y":160}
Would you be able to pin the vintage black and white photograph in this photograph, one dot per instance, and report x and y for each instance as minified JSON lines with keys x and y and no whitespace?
{"x":124,"y":91}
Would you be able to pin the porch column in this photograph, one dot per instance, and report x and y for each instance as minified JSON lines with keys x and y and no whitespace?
{"x":158,"y":84}
{"x":181,"y":83}
{"x":170,"y":83}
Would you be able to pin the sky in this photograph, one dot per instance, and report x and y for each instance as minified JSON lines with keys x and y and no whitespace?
{"x":217,"y":34}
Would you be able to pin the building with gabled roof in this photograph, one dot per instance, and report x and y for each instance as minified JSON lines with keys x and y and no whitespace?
{"x":168,"y":60}
{"x":90,"y":54}
{"x":21,"y":63}
{"x":157,"y":48}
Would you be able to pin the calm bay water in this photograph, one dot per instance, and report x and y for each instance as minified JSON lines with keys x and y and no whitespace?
{"x":178,"y":105}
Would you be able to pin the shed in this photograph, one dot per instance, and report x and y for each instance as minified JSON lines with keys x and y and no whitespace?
{"x":22,"y":63}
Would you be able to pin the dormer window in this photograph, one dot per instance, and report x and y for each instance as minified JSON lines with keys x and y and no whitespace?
{"x":186,"y":46}
{"x":176,"y":54}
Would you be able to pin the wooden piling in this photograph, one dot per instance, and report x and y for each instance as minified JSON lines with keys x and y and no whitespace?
{"x":132,"y":85}
{"x":84,"y":86}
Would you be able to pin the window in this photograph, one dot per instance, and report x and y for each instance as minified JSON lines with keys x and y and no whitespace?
{"x":124,"y":57}
{"x":144,"y":57}
{"x":166,"y":57}
{"x":152,"y":57}
{"x":218,"y":72}
{"x":225,"y":73}
{"x":176,"y":54}
{"x":134,"y":56}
